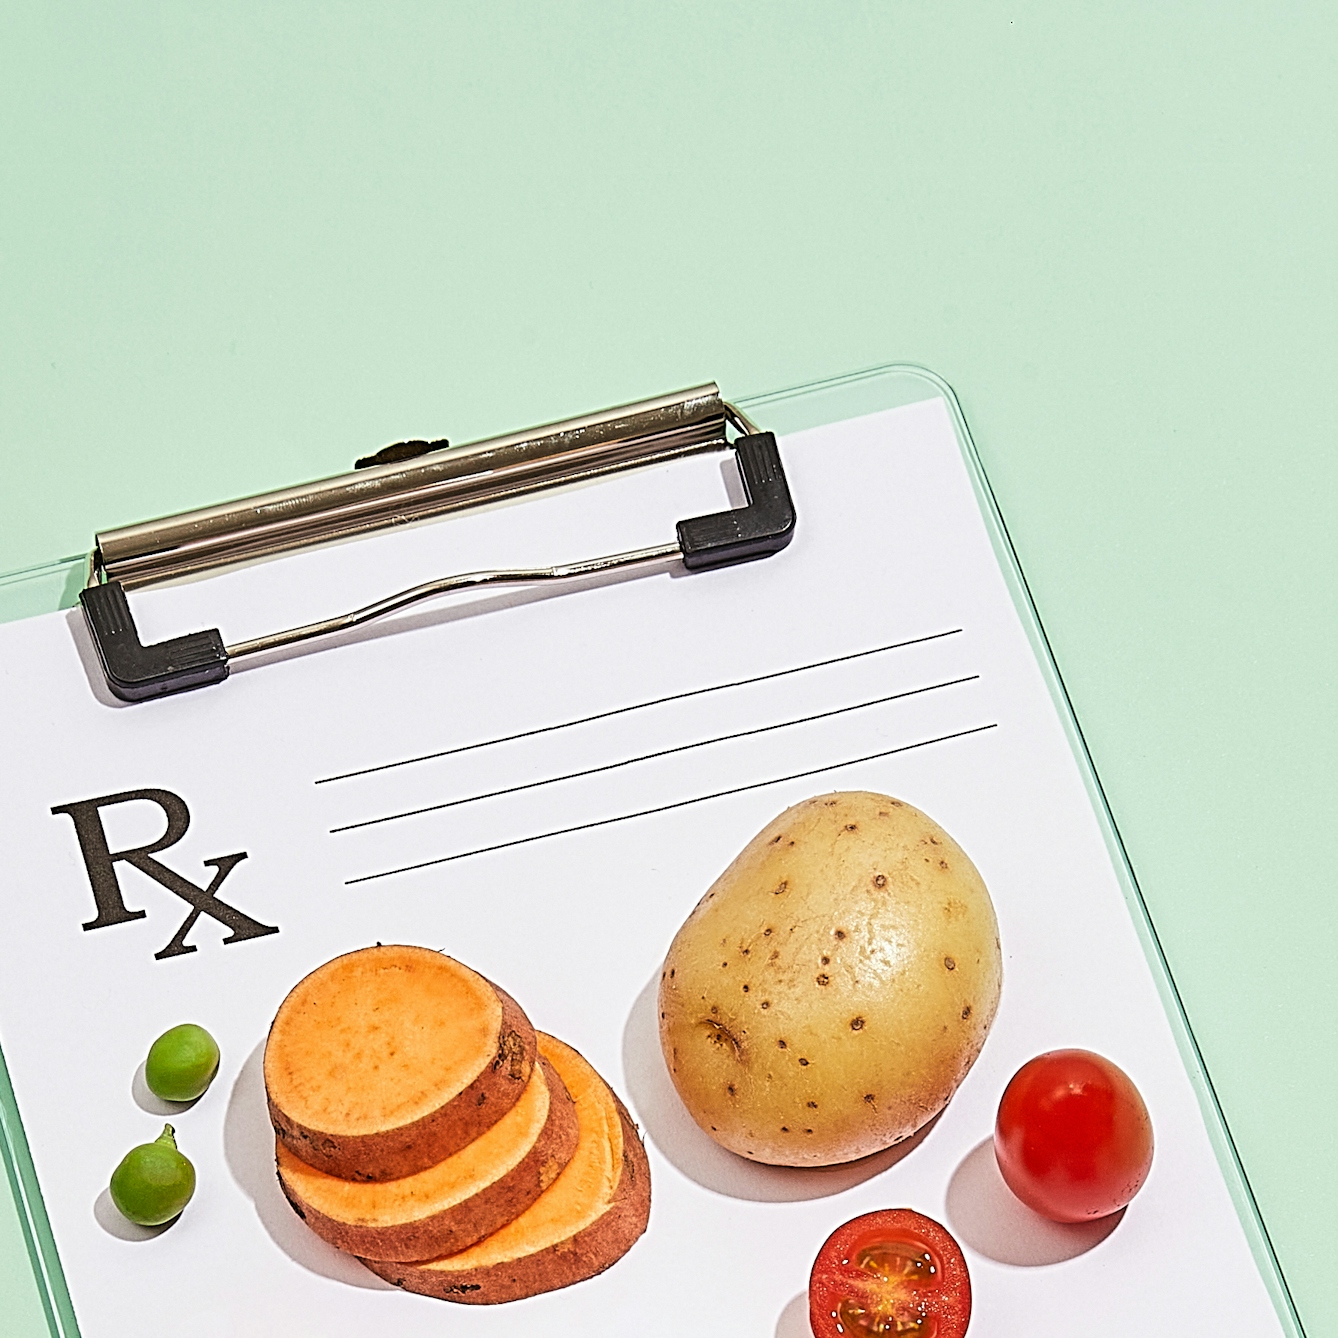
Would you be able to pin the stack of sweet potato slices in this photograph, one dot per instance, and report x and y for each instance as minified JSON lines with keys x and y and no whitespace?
{"x":422,"y":1125}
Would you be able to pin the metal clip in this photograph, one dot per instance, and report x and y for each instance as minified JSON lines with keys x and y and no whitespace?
{"x":429,"y":484}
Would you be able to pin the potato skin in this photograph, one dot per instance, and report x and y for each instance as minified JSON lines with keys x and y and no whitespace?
{"x":831,"y":990}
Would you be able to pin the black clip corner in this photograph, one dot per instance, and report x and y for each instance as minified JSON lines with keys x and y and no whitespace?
{"x":757,"y":530}
{"x":136,"y":672}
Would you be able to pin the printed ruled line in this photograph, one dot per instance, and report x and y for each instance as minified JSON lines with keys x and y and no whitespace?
{"x":665,"y":808}
{"x":638,"y":706}
{"x":649,"y":757}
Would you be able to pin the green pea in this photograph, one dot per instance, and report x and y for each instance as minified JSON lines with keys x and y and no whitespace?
{"x":181,"y":1063}
{"x":154,"y":1182}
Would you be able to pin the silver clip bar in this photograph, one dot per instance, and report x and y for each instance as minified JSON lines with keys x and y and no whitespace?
{"x":428,"y":485}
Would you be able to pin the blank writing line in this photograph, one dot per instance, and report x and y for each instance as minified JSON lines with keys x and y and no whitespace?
{"x":665,"y":808}
{"x":647,"y":757}
{"x":636,"y":706}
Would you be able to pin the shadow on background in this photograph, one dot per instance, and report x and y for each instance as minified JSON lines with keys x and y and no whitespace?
{"x":108,"y":1217}
{"x":793,"y":1321}
{"x":248,"y":1145}
{"x":673,"y":1132}
{"x":88,"y":659}
{"x":986,"y":1215}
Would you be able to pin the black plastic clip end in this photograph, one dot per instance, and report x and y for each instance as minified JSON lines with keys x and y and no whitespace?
{"x":757,"y":530}
{"x":136,"y":672}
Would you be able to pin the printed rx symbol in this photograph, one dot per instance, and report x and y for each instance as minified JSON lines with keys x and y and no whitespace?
{"x":101,"y":861}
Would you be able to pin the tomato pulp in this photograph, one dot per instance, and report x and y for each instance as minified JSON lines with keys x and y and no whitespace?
{"x":1073,"y":1138}
{"x":893,"y":1272}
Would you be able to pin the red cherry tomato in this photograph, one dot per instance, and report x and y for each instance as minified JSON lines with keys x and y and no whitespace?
{"x":1073,"y":1138}
{"x":894,"y":1272}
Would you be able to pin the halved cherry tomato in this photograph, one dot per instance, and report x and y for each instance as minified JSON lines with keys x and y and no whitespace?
{"x":1073,"y":1138}
{"x":894,"y":1272}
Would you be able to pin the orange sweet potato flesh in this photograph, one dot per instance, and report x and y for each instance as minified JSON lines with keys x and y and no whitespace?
{"x":386,"y":1061}
{"x":451,"y":1205}
{"x":583,"y":1223}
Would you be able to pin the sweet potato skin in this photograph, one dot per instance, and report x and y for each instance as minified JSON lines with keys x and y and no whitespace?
{"x":584,"y":1255}
{"x":393,"y":1153}
{"x":461,"y":1225}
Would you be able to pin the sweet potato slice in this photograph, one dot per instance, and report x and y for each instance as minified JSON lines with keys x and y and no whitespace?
{"x":585,"y":1221}
{"x":451,"y":1205}
{"x":388,"y":1060}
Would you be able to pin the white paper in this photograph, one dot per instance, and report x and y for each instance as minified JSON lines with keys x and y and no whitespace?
{"x":890,"y":590}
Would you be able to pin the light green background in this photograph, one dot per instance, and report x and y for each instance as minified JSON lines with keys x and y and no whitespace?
{"x":240,"y":246}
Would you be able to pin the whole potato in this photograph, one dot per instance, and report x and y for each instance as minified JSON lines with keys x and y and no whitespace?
{"x":832,"y":988}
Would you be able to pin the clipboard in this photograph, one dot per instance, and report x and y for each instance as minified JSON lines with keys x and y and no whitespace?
{"x":782,"y":414}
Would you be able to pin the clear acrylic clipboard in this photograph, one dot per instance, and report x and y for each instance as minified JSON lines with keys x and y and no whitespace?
{"x":57,"y":585}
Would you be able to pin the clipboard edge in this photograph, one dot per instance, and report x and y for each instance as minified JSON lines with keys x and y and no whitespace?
{"x":865,"y":391}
